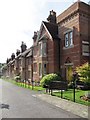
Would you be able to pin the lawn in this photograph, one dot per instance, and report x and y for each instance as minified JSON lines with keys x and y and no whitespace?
{"x":69,"y":96}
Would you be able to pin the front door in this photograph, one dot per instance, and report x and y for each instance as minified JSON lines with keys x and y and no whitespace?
{"x":69,"y":72}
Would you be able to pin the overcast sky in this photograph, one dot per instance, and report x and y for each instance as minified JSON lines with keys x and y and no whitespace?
{"x":20,"y":18}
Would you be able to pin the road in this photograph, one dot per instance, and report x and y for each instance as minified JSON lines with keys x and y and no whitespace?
{"x":18,"y":102}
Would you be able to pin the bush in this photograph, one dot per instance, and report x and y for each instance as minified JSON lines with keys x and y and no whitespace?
{"x":17,"y":78}
{"x":84,"y":72}
{"x":84,"y":75}
{"x":46,"y":80}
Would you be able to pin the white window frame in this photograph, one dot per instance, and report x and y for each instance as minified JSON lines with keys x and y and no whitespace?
{"x":68,"y":39}
{"x":85,"y":49}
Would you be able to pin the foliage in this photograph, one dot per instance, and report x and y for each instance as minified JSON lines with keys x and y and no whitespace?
{"x":84,"y":72}
{"x":17,"y":78}
{"x":46,"y":80}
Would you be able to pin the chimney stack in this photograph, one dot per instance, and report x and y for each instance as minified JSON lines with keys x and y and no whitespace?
{"x":12,"y":56}
{"x":52,"y":17}
{"x":35,"y":36}
{"x":23,"y":47}
{"x":17,"y":52}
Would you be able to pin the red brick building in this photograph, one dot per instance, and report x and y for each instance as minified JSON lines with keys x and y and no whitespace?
{"x":46,"y":50}
{"x":74,"y":31}
{"x":61,"y":44}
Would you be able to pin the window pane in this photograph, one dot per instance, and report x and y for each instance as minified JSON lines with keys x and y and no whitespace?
{"x":40,"y":69}
{"x":66,"y":40}
{"x":44,"y":69}
{"x":71,"y":38}
{"x":44,"y":49}
{"x":40,"y":49}
{"x":85,"y":48}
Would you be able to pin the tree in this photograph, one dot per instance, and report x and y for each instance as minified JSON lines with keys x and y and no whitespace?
{"x":84,"y":72}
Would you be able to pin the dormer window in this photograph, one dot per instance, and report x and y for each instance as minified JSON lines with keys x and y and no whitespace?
{"x":69,"y":39}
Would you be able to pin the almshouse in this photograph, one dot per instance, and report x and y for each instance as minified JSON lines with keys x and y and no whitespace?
{"x":61,"y":44}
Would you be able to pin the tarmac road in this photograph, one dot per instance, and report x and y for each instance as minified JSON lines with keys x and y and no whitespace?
{"x":18,"y":102}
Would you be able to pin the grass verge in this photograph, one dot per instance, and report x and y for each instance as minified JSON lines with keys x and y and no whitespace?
{"x":69,"y":96}
{"x":35,"y":88}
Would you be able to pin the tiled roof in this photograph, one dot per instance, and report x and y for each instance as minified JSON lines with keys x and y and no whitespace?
{"x":19,"y":55}
{"x":30,"y":53}
{"x":25,"y":52}
{"x":52,"y":29}
{"x":11,"y":62}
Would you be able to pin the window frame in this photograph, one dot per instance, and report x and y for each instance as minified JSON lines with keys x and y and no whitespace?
{"x":43,"y":49}
{"x":40,"y":69}
{"x":68,"y":39}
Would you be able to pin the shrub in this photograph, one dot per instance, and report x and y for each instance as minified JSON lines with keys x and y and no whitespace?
{"x":46,"y":80}
{"x":17,"y":78}
{"x":84,"y":72}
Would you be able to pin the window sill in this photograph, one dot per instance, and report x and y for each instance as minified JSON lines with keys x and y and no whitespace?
{"x":43,"y":56}
{"x":34,"y":72}
{"x":65,"y":48}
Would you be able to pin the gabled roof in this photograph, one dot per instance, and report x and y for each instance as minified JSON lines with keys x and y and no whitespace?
{"x":52,"y":29}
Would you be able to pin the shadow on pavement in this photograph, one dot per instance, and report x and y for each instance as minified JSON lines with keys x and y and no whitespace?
{"x":2,"y":106}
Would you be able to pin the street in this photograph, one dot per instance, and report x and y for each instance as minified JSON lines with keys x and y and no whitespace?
{"x":18,"y":102}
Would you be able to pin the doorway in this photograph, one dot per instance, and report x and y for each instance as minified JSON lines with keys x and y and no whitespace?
{"x":69,"y":72}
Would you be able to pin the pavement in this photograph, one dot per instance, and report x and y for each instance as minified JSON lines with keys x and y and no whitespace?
{"x":19,"y":102}
{"x":75,"y":108}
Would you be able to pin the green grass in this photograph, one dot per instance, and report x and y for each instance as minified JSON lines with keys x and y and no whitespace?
{"x":35,"y":88}
{"x":69,"y":96}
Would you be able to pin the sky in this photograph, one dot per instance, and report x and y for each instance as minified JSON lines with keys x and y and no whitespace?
{"x":20,"y":18}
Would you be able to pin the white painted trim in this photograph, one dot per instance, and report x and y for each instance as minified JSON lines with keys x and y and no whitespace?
{"x":85,"y":42}
{"x":34,"y":72}
{"x":85,"y":54}
{"x":42,"y":36}
{"x":68,"y":64}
